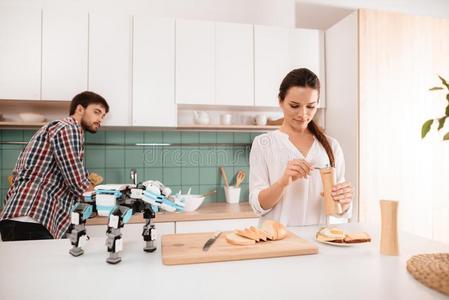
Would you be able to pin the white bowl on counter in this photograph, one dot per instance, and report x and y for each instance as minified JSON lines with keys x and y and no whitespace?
{"x":191,"y":202}
{"x":32,"y":117}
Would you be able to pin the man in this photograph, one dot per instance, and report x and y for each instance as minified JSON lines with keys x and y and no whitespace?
{"x":49,"y":175}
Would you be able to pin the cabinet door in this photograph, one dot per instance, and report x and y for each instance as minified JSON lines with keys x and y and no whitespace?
{"x":132,"y":231}
{"x":20,"y":53}
{"x":305,"y":52}
{"x":64,"y":54}
{"x":110,"y":42}
{"x":214,"y":225}
{"x":195,"y":59}
{"x":271,"y":63}
{"x":234,"y":67}
{"x":153,"y":72}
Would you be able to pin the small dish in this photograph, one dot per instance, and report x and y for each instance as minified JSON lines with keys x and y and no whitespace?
{"x":32,"y":117}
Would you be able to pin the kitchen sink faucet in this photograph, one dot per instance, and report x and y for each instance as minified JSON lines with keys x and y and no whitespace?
{"x":133,"y":175}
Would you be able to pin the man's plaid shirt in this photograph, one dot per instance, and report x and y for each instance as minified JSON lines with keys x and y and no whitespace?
{"x":49,"y":176}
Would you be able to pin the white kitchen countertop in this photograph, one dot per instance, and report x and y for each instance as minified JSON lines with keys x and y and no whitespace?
{"x":45,"y":270}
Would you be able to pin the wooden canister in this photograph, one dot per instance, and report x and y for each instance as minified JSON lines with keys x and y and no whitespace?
{"x":331,"y":207}
{"x":389,"y":244}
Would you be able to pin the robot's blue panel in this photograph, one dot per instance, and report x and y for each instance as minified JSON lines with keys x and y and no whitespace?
{"x":117,"y":194}
{"x":87,"y":212}
{"x":127,"y":216}
{"x":104,"y":210}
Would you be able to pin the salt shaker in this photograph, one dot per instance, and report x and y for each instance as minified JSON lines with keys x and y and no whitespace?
{"x":389,"y":244}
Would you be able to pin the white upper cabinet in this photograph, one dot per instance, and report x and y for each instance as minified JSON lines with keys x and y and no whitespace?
{"x":305,"y":52}
{"x":110,"y":64}
{"x":20,"y":53}
{"x":153,"y":72}
{"x":234,"y":65}
{"x":305,"y":49}
{"x":271,"y":63}
{"x":64,"y":54}
{"x":195,"y":62}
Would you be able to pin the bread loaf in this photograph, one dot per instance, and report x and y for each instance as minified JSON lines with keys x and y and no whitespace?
{"x":235,"y":239}
{"x":271,"y":230}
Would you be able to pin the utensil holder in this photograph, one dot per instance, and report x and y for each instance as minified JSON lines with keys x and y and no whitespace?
{"x":232,"y":194}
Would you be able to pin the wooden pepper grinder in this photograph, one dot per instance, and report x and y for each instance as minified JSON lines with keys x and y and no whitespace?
{"x":389,"y":244}
{"x":331,"y":207}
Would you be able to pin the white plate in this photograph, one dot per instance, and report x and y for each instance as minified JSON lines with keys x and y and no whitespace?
{"x":335,"y":244}
{"x":340,"y":244}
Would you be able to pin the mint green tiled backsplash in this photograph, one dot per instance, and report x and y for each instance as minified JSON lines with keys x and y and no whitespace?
{"x":188,"y":165}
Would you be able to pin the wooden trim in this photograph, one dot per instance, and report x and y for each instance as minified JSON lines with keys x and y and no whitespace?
{"x":209,"y":211}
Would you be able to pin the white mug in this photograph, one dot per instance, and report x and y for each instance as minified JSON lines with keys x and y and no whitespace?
{"x":226,"y":119}
{"x":261,"y":120}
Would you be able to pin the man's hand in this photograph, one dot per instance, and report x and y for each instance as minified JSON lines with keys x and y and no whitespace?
{"x":94,"y":179}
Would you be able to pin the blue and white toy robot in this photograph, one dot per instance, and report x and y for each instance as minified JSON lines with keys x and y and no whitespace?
{"x":119,"y":202}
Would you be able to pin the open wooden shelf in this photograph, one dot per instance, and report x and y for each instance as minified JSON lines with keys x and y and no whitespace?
{"x":33,"y":125}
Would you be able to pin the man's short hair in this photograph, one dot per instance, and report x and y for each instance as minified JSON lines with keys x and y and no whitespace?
{"x":85,"y":99}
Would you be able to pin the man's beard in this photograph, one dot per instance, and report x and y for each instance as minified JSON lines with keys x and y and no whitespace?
{"x":86,"y":127}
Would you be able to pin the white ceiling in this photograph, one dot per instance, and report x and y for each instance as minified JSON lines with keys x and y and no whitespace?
{"x":322,"y":14}
{"x":317,"y":16}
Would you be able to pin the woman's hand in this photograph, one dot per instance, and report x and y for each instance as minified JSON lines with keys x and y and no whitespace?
{"x":342,"y":192}
{"x":296,"y":169}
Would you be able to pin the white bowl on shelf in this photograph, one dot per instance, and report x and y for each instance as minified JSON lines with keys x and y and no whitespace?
{"x":191,"y":202}
{"x":32,"y":117}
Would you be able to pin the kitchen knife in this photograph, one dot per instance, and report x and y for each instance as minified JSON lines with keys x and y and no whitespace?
{"x":211,"y":241}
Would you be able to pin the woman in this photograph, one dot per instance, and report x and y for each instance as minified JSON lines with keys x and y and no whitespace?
{"x":284,"y":182}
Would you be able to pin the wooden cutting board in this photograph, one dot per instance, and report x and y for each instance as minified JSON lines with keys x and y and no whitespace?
{"x":187,"y":248}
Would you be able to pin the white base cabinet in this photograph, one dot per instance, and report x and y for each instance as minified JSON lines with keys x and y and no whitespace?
{"x":99,"y":231}
{"x":214,"y":225}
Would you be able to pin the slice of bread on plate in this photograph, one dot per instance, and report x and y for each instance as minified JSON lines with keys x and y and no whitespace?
{"x":360,"y":237}
{"x":333,"y":235}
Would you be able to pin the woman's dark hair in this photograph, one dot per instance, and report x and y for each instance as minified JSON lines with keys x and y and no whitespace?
{"x":305,"y":78}
{"x":85,"y":99}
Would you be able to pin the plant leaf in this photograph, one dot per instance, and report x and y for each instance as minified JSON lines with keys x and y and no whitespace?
{"x":436,"y":88}
{"x":441,"y":122}
{"x":444,"y":82}
{"x":447,"y":110}
{"x":446,"y":137}
{"x":426,"y":127}
{"x":447,"y":97}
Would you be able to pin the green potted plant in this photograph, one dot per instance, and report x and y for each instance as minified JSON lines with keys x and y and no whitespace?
{"x":427,"y":124}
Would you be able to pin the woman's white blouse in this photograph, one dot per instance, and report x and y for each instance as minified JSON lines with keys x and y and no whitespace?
{"x":301,"y":203}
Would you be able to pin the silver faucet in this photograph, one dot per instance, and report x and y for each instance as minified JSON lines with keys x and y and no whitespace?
{"x":133,"y":175}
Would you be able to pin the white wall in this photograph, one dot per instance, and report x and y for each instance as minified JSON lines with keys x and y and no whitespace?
{"x":267,"y":12}
{"x":400,"y":57}
{"x":342,"y":94}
